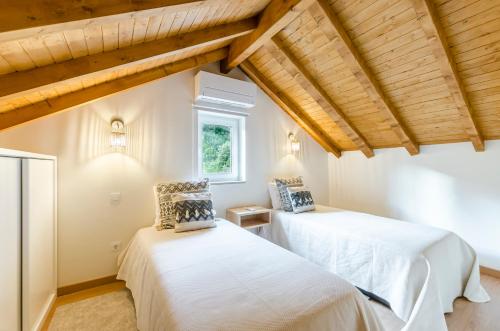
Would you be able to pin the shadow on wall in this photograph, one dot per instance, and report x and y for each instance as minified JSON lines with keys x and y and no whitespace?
{"x":426,"y":196}
{"x":423,"y":196}
{"x":288,"y":163}
{"x":91,"y":131}
{"x":448,"y":186}
{"x":140,"y":140}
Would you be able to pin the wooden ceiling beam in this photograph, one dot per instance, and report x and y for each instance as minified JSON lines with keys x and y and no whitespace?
{"x":293,"y":66}
{"x":30,"y":18}
{"x":37,"y":78}
{"x":334,"y":30}
{"x":277,"y":15}
{"x":430,"y":23}
{"x":65,"y":102}
{"x":291,"y":108}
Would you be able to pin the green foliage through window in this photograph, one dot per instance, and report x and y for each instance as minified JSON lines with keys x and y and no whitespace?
{"x":216,"y":152}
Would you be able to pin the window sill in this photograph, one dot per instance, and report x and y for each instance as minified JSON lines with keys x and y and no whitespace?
{"x":228,"y":182}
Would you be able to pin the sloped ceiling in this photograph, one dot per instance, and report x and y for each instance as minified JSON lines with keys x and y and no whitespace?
{"x":357,"y":74}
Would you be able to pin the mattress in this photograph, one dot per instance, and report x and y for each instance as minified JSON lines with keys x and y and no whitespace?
{"x":418,"y":269}
{"x":227,"y":278}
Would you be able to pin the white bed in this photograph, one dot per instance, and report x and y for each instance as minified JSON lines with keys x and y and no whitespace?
{"x":418,"y":269}
{"x":226,"y":278}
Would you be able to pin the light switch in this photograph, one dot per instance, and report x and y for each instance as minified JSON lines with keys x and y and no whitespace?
{"x":115,"y":197}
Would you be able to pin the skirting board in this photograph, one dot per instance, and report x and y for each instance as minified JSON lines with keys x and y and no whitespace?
{"x":490,"y":272}
{"x":40,"y":324}
{"x":85,"y":285}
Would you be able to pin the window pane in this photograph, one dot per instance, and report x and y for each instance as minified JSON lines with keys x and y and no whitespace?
{"x":216,"y":149}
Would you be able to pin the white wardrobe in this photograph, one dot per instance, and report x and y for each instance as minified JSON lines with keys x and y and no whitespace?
{"x":28,"y":232}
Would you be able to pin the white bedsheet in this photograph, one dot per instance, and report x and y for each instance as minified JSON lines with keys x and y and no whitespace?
{"x":418,"y":269}
{"x":226,"y":278}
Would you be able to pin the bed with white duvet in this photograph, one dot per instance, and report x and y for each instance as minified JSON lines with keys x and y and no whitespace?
{"x":418,"y":269}
{"x":226,"y":278}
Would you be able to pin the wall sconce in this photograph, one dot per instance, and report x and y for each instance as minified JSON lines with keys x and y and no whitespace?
{"x":117,"y":134}
{"x":294,"y":143}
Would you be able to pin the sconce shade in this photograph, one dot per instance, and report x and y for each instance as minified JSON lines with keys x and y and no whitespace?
{"x":294,"y":143}
{"x":118,"y":134}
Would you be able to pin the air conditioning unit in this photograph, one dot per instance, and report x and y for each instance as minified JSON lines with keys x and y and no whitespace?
{"x":218,"y":89}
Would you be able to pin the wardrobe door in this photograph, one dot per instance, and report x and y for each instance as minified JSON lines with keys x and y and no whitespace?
{"x":38,"y":241}
{"x":10,"y":244}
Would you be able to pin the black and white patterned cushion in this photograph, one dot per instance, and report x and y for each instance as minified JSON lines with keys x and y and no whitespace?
{"x":193,"y":211}
{"x":282,"y":184}
{"x":301,"y":199}
{"x":165,"y":217}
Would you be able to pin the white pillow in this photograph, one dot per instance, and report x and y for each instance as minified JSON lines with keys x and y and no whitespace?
{"x":275,"y":195}
{"x":157,"y":222}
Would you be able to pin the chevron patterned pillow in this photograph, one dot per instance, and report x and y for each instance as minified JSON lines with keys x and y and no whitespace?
{"x":193,"y":211}
{"x":282,"y":184}
{"x":165,"y":218}
{"x":301,"y":199}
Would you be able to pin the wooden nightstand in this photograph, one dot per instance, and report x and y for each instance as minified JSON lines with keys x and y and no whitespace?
{"x":249,"y":217}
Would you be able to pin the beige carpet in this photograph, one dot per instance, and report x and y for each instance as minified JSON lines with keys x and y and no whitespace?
{"x":109,"y":312}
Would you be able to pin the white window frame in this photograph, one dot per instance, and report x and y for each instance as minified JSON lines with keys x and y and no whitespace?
{"x":238,"y":145}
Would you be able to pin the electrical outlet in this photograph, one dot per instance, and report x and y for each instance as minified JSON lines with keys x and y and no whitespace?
{"x":115,"y":246}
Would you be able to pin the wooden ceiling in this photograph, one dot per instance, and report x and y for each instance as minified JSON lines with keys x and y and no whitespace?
{"x":355,"y":74}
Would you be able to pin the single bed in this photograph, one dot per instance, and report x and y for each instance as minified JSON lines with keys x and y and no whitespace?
{"x":226,"y":278}
{"x":419,"y":270}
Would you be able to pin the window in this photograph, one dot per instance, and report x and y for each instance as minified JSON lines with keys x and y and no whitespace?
{"x":221,"y":146}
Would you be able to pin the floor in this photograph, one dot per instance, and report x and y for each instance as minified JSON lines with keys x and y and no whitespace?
{"x":99,"y":308}
{"x":111,"y":308}
{"x":466,"y":316}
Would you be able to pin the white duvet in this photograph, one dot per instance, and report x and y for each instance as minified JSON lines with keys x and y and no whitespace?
{"x":418,"y":269}
{"x":226,"y":278}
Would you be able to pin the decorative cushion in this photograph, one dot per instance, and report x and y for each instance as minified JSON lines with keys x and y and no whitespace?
{"x":275,"y":195}
{"x":301,"y":199}
{"x":282,"y":184}
{"x":193,"y":211}
{"x":165,"y":218}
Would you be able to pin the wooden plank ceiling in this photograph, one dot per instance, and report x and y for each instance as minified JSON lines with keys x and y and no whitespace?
{"x":355,"y":74}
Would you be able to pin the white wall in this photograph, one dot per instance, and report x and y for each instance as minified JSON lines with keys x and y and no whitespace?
{"x":449,"y":186}
{"x":160,"y":123}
